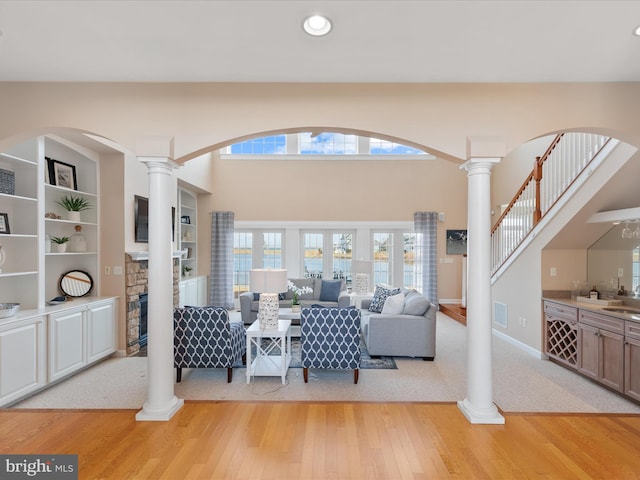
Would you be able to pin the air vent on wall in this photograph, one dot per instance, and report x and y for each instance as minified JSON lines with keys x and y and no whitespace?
{"x":500,"y":314}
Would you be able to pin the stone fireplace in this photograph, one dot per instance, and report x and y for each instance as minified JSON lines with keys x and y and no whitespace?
{"x":137,"y":285}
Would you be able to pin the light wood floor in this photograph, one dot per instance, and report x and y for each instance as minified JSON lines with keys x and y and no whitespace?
{"x":234,"y":440}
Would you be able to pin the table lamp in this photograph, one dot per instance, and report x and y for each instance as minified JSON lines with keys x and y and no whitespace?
{"x":268,"y":283}
{"x":361,"y":270}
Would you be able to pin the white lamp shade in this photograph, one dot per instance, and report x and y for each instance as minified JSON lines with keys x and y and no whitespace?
{"x":361,"y":266}
{"x":264,"y":280}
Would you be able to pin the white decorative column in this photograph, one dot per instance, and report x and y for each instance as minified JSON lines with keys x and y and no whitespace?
{"x":478,"y":406}
{"x":161,"y":402}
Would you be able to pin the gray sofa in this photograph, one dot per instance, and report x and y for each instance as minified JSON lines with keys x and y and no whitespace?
{"x":403,"y":334}
{"x":332,"y":297}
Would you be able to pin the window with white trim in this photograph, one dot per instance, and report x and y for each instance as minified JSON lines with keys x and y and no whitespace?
{"x":322,"y":144}
{"x":383,"y":258}
{"x":261,"y":248}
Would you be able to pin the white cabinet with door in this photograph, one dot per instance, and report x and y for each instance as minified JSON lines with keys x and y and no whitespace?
{"x":22,"y":358}
{"x":81,"y":335}
{"x":66,"y":342}
{"x":193,"y":292}
{"x":101,"y":330}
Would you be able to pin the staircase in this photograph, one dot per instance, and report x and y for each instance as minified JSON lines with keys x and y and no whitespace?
{"x":567,"y":157}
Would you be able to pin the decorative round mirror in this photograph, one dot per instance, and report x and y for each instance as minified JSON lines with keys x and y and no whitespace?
{"x":75,"y":283}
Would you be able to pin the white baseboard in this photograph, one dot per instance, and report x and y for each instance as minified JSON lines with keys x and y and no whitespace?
{"x":522,"y":346}
{"x":447,"y":301}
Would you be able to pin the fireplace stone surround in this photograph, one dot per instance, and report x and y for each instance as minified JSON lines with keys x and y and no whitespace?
{"x":137,"y":278}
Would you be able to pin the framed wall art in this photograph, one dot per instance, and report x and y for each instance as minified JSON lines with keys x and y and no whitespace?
{"x":62,"y":174}
{"x":4,"y":223}
{"x":456,"y":242}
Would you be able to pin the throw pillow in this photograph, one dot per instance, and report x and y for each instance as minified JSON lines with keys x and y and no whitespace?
{"x":394,"y":304}
{"x":330,"y":290}
{"x":380,"y":296}
{"x":415,"y":304}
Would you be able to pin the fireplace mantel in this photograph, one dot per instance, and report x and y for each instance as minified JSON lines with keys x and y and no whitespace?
{"x":144,"y":255}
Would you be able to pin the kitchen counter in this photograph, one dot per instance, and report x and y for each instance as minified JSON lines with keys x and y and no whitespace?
{"x":601,"y":309}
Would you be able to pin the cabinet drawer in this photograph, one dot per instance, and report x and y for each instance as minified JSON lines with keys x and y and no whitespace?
{"x":604,"y":322}
{"x":563,"y":312}
{"x":632,"y":329}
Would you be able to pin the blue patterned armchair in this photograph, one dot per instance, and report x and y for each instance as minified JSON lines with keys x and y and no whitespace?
{"x":205,"y":338}
{"x":330,"y":338}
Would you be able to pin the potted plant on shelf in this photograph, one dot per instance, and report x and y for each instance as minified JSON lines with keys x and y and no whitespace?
{"x":297,"y":291}
{"x":61,"y":243}
{"x":74,"y":204}
{"x":186,"y":271}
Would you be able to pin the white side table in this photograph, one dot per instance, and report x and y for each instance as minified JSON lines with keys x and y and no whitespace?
{"x":273,"y":356}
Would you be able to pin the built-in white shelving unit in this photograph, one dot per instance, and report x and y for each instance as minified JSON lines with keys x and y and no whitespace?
{"x":20,"y":238}
{"x":188,"y":232}
{"x":31,"y":270}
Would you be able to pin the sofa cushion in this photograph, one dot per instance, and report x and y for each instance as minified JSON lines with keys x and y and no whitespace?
{"x":330,"y":290}
{"x":415,"y":304}
{"x":394,"y":304}
{"x":380,"y":296}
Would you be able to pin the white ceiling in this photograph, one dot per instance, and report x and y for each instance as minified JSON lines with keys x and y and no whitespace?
{"x":372,"y":41}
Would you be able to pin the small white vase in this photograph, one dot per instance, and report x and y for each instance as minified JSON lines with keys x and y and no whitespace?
{"x":61,"y":247}
{"x":73,"y":216}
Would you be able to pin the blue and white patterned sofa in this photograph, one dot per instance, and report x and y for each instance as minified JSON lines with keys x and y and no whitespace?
{"x":329,"y":293}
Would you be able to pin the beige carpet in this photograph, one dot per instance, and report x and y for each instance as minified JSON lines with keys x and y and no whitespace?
{"x":522,"y":383}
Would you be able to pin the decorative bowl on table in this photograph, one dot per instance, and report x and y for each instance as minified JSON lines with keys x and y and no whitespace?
{"x":8,"y":309}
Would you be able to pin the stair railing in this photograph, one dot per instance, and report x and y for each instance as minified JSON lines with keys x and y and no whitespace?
{"x":567,"y":156}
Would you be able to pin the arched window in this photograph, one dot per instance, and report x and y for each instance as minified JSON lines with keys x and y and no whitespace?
{"x":323,"y":143}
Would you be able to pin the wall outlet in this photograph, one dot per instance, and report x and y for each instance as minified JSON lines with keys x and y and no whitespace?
{"x":553,"y":272}
{"x":620,"y":272}
{"x":523,"y":322}
{"x":117,"y":270}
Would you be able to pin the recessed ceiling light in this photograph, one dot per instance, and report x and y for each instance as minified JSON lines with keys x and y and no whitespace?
{"x":637,"y":31}
{"x":317,"y":25}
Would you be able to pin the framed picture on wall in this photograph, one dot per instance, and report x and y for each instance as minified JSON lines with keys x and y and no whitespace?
{"x":456,"y":242}
{"x":4,"y":223}
{"x":62,"y":174}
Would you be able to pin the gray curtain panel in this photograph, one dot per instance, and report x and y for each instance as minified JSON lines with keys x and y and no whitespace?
{"x":221,"y":284}
{"x":426,"y":262}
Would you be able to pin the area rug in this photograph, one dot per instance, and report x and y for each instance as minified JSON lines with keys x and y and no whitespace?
{"x":366,"y":362}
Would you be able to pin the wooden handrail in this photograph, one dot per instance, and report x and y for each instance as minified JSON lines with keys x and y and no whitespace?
{"x":553,"y":145}
{"x":535,"y":175}
{"x":516,"y":197}
{"x":564,"y":168}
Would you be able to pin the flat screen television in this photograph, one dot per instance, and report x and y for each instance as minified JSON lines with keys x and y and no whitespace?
{"x":141,"y":215}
